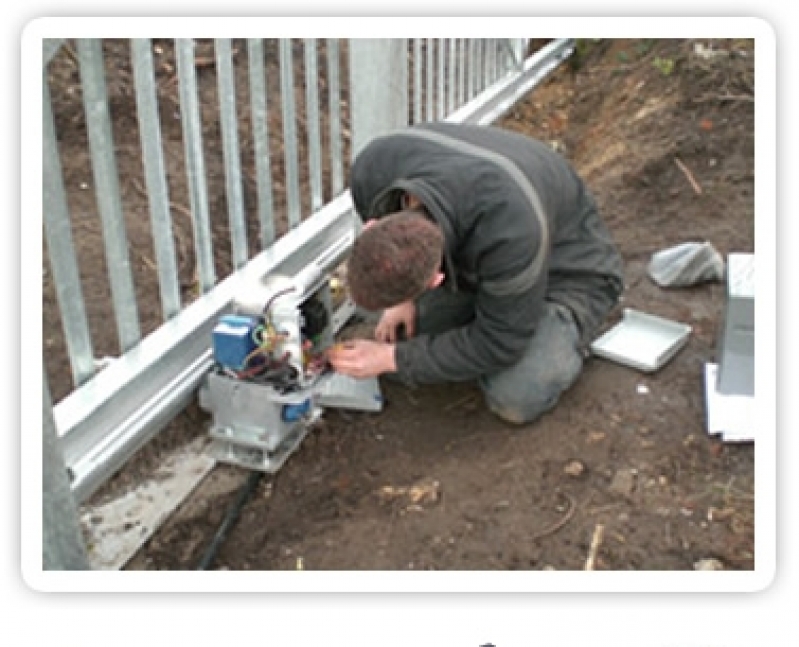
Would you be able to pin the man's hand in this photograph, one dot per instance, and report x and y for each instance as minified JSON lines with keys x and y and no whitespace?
{"x":362,"y":358}
{"x":403,"y":314}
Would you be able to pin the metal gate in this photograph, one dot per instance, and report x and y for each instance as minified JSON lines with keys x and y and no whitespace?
{"x":286,"y":117}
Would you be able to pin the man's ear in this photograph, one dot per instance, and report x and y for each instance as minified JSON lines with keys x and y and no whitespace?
{"x":438,"y":279}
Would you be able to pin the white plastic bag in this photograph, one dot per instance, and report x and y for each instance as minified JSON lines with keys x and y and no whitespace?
{"x":686,"y":264}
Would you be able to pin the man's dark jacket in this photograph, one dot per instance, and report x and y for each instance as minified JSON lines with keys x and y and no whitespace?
{"x":520,"y":227}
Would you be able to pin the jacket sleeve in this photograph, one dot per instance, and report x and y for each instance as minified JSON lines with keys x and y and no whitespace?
{"x":496,"y":338}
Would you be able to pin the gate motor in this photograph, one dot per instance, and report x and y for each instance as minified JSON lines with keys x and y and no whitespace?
{"x":271,"y":380}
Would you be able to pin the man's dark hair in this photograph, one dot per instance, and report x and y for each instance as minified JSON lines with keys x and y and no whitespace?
{"x":394,"y":260}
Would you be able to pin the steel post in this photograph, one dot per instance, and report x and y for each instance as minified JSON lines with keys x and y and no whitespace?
{"x":379,"y":86}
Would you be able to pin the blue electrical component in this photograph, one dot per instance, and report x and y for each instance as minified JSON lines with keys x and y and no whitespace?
{"x":233,"y":340}
{"x":293,"y":412}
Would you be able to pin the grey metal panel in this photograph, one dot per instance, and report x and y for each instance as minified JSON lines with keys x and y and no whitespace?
{"x":195,"y":162}
{"x":101,"y":145}
{"x":155,"y":176}
{"x":260,"y":127}
{"x":231,"y":151}
{"x":736,"y":343}
{"x":290,"y":133}
{"x":334,"y":91}
{"x":62,"y":542}
{"x":61,"y":252}
{"x":312,"y":119}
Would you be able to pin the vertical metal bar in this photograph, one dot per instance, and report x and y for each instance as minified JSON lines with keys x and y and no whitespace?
{"x":417,"y":80}
{"x":379,"y":86}
{"x":442,"y":59}
{"x":260,"y":127}
{"x":451,"y":76}
{"x":101,"y":145}
{"x":230,"y":149}
{"x":499,"y":64}
{"x":480,"y":67}
{"x":474,"y":66}
{"x":334,"y":100}
{"x":61,"y":252}
{"x":62,"y":541}
{"x":470,"y":85}
{"x":518,"y":52}
{"x":312,"y":118}
{"x":155,"y":176}
{"x":479,"y":76}
{"x":492,"y":60}
{"x":290,"y":133}
{"x":195,"y":163}
{"x":502,"y":60}
{"x":486,"y":66}
{"x":461,"y":42}
{"x":430,"y":73}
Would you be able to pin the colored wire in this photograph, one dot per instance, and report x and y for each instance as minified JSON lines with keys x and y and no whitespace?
{"x":280,"y":293}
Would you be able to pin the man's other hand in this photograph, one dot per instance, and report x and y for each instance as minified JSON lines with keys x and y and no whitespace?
{"x":404,"y":315}
{"x":362,"y":358}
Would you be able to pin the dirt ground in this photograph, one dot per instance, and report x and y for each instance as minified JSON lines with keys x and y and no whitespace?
{"x":663,"y":132}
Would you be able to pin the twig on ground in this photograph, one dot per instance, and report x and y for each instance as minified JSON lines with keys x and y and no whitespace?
{"x":596,"y":541}
{"x":561,"y":522}
{"x":689,"y":175}
{"x":458,"y":403}
{"x":724,"y":97}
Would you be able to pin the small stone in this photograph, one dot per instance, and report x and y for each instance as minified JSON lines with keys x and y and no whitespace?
{"x":623,"y":482}
{"x":574,"y":468}
{"x":708,"y":564}
{"x":714,"y":514}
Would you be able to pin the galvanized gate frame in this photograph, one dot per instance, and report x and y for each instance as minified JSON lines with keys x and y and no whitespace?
{"x":105,"y":421}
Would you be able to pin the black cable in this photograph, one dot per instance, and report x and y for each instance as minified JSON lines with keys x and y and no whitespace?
{"x":231,"y":516}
